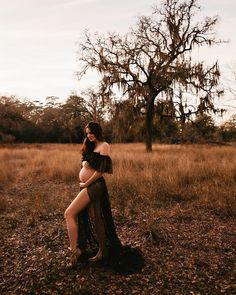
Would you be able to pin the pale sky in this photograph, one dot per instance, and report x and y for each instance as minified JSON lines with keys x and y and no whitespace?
{"x":38,"y":41}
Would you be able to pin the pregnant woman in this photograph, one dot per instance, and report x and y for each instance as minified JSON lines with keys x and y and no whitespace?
{"x":90,"y":224}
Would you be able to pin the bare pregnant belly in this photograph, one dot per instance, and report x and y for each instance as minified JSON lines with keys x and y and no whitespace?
{"x":85,"y":174}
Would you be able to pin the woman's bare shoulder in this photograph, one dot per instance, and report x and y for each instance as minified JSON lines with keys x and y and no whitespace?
{"x":104,"y":148}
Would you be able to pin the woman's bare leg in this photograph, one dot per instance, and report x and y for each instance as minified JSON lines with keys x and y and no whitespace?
{"x":78,"y":204}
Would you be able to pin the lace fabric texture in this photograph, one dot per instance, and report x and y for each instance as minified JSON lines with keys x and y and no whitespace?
{"x":96,"y":224}
{"x":99,"y":162}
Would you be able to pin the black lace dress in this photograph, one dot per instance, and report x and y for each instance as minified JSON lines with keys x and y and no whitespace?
{"x":95,"y":223}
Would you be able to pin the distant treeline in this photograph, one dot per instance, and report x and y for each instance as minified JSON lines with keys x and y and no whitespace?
{"x":53,"y":122}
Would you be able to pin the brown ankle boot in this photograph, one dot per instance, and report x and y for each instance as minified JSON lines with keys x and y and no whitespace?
{"x":97,"y":257}
{"x":74,"y":256}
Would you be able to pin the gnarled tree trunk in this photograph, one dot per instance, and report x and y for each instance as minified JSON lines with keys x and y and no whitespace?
{"x":149,"y":124}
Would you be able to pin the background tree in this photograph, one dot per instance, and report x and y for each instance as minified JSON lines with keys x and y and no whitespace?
{"x":126,"y":121}
{"x":15,"y":121}
{"x":200,"y":130}
{"x":228,"y":129}
{"x":155,"y":57}
{"x":75,"y":115}
{"x":98,"y":105}
{"x":10,"y":118}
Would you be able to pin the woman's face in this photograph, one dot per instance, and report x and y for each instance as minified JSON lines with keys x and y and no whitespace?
{"x":90,"y":135}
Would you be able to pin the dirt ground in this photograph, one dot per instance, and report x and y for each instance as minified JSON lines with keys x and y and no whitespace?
{"x":191,"y":253}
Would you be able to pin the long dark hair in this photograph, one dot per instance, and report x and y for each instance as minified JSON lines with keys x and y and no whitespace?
{"x":88,"y":146}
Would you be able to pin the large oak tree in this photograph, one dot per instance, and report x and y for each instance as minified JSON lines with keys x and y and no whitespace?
{"x":154,"y":59}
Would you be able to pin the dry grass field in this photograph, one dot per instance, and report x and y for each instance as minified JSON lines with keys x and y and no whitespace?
{"x":177,"y":204}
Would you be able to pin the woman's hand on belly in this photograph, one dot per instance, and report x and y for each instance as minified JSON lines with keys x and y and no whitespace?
{"x":82,"y":185}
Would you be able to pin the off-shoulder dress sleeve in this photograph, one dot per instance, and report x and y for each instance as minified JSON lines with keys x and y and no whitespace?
{"x":100,"y":163}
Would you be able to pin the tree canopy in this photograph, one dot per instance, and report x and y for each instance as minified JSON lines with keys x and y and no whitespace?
{"x":153,"y":61}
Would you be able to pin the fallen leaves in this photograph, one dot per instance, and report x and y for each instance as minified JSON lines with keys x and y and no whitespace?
{"x":184,"y":254}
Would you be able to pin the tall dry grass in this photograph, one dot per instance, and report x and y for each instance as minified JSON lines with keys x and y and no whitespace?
{"x":162,"y":182}
{"x":174,"y":177}
{"x":49,"y":162}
